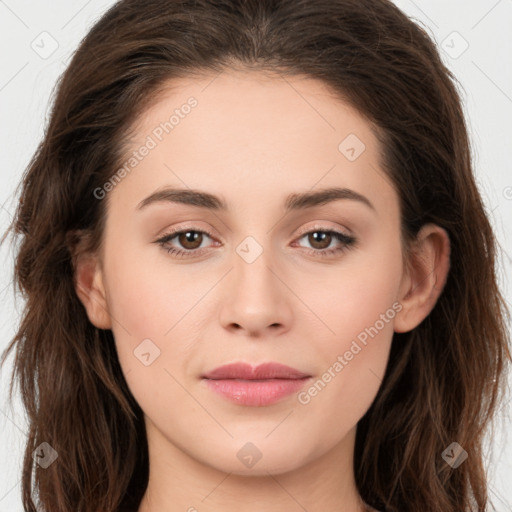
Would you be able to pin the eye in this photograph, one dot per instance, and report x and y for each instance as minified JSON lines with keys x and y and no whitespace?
{"x":191,"y":241}
{"x":320,"y":240}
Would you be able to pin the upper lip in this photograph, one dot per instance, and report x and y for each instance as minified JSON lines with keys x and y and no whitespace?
{"x":248,"y":372}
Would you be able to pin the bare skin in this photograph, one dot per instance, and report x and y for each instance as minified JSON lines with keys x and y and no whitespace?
{"x":252,"y":140}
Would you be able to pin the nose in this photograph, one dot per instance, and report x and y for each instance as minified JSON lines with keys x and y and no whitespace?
{"x":256,"y":299}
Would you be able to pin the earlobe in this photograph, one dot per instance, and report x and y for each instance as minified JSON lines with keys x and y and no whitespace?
{"x":425,"y":277}
{"x":89,"y":286}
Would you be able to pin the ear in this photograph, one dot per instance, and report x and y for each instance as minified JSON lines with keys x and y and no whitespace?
{"x":424,"y":278}
{"x":88,"y":280}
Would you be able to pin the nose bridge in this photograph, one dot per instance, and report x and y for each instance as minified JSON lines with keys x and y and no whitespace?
{"x":252,"y":271}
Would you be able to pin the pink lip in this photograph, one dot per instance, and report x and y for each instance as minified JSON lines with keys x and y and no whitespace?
{"x":247,"y":372}
{"x":255,"y":386}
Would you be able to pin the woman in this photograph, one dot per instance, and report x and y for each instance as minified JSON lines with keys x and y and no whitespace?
{"x":181,"y":348}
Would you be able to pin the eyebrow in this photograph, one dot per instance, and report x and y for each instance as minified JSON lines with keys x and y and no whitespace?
{"x":296,"y":201}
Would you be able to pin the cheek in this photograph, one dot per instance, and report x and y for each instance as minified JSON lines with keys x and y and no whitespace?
{"x":148,"y":297}
{"x":357,"y":309}
{"x":353,"y":298}
{"x":149,"y":310}
{"x":153,"y":334}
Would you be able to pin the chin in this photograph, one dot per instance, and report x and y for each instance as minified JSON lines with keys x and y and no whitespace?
{"x":261,"y":457}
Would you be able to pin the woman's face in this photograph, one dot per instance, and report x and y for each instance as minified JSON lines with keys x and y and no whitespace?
{"x":242,"y":163}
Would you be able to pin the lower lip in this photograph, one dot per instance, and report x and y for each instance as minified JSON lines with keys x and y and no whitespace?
{"x":256,"y":393}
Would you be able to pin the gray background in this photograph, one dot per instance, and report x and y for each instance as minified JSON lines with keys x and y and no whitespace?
{"x":37,"y":39}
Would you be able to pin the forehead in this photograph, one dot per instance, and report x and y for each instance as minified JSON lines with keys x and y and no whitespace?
{"x":251,"y":107}
{"x":254,"y":133}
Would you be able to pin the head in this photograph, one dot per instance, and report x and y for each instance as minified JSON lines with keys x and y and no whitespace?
{"x":297,"y":125}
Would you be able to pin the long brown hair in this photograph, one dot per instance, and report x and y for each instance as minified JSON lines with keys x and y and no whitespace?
{"x":444,"y":379}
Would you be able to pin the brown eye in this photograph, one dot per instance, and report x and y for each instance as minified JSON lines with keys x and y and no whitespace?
{"x":320,"y":239}
{"x":320,"y":242}
{"x":190,"y":239}
{"x":185,"y":243}
{"x":188,"y":242}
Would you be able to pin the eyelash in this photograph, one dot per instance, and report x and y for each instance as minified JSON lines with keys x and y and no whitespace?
{"x":347,"y":241}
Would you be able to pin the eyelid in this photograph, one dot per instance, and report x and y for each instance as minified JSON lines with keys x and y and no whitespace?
{"x":191,"y":227}
{"x":318,"y":227}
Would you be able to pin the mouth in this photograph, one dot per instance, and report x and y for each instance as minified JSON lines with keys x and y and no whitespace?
{"x":255,"y":386}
